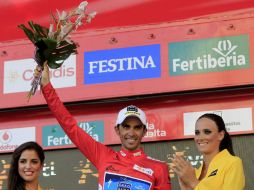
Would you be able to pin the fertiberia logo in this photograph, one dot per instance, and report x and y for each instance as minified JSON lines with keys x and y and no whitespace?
{"x":209,"y":55}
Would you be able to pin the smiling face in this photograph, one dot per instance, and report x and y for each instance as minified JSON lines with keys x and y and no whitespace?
{"x":29,"y":166}
{"x":207,"y":136}
{"x":131,"y":132}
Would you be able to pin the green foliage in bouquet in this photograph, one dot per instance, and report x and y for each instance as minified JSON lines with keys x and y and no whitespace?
{"x":53,"y":45}
{"x":47,"y":48}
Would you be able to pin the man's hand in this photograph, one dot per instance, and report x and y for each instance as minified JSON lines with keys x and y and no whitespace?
{"x":45,"y":79}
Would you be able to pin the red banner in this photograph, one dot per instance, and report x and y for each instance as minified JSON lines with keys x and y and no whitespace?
{"x":169,"y":118}
{"x":233,"y":65}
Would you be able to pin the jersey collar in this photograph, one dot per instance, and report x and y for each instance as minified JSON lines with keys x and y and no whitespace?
{"x":132,"y":154}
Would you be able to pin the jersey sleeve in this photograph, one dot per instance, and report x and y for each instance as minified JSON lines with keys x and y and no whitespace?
{"x":92,"y":149}
{"x":163,"y":180}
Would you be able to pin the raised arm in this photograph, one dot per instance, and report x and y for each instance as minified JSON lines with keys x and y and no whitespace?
{"x":92,"y":149}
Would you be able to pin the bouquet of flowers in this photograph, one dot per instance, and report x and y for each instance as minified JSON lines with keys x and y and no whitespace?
{"x":53,"y":45}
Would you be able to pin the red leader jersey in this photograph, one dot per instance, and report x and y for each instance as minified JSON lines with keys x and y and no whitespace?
{"x":123,"y":170}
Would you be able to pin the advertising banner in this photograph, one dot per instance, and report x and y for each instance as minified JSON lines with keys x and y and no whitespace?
{"x":209,"y":55}
{"x":54,"y":136}
{"x":168,"y":118}
{"x":233,"y":122}
{"x":18,"y":75}
{"x":135,"y":64}
{"x":122,"y":64}
{"x":10,"y":139}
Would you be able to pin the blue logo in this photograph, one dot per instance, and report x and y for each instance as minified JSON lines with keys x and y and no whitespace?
{"x":124,"y":182}
{"x":122,"y":64}
{"x":123,"y":186}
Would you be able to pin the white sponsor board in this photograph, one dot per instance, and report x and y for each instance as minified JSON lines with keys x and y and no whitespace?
{"x":18,"y":75}
{"x":236,"y":120}
{"x":12,"y":138}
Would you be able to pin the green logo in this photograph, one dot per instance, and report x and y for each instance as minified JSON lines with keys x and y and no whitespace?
{"x":53,"y":135}
{"x":209,"y":55}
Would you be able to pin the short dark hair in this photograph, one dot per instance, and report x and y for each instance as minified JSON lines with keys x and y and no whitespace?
{"x":15,"y":182}
{"x":226,"y":142}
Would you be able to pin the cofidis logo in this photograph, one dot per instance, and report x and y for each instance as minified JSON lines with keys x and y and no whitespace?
{"x":122,"y":64}
{"x":18,"y":75}
{"x":209,"y":55}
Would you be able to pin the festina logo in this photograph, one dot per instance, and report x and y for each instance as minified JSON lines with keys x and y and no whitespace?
{"x":209,"y":55}
{"x":129,"y":63}
{"x":122,"y":64}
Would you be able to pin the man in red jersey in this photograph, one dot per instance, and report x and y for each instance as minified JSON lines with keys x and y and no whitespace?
{"x":127,"y":169}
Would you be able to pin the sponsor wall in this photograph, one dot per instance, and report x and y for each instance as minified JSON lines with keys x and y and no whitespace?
{"x":164,"y":59}
{"x":142,"y":60}
{"x":169,"y":118}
